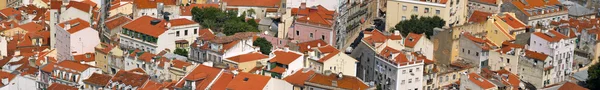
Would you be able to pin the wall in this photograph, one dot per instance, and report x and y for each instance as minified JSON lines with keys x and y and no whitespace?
{"x":277,"y":84}
{"x":84,"y":41}
{"x":152,"y":12}
{"x":466,"y":84}
{"x":534,"y":74}
{"x":165,"y":41}
{"x":126,"y":9}
{"x":63,"y":44}
{"x":14,"y":31}
{"x":395,"y":11}
{"x":507,"y":62}
{"x":343,"y":63}
{"x":294,"y":66}
{"x":190,"y":37}
{"x":243,"y":46}
{"x":471,"y":51}
{"x":73,"y":13}
{"x":21,"y":83}
{"x":425,"y":46}
{"x":366,"y":57}
{"x":413,"y":81}
{"x":101,"y":61}
{"x":318,"y":33}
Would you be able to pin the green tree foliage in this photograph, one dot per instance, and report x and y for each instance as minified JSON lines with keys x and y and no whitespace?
{"x":252,"y":23}
{"x":181,"y":52}
{"x":593,"y":77}
{"x":419,"y":25}
{"x":265,"y":46}
{"x":222,"y":21}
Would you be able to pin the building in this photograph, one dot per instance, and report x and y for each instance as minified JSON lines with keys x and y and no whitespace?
{"x":247,"y":62}
{"x":205,"y":77}
{"x":419,"y":43}
{"x":72,"y":73}
{"x":155,"y":8}
{"x":536,"y":69}
{"x":22,"y":29}
{"x":214,"y":49}
{"x":125,"y":8}
{"x":565,"y":86}
{"x":156,"y":66}
{"x":256,"y":9}
{"x":488,"y":6}
{"x":473,"y":81}
{"x":507,"y":57}
{"x":128,"y":80}
{"x":63,"y":11}
{"x":537,"y":12}
{"x":186,"y":11}
{"x":199,"y":48}
{"x":313,"y":23}
{"x":179,"y":69}
{"x":578,"y":11}
{"x":97,"y":81}
{"x":475,"y":50}
{"x":308,"y":79}
{"x":154,"y":35}
{"x":328,"y":59}
{"x":59,"y":86}
{"x":452,"y":11}
{"x":109,"y":58}
{"x":256,"y":82}
{"x":114,"y":26}
{"x":370,"y":46}
{"x":283,"y":63}
{"x":558,"y":46}
{"x":75,"y":37}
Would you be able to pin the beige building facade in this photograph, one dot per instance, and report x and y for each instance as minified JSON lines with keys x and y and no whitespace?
{"x":454,"y":12}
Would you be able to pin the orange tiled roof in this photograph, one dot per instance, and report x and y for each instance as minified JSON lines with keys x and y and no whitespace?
{"x":303,"y":47}
{"x":152,"y":85}
{"x":532,"y":4}
{"x":278,"y":69}
{"x":206,"y":34}
{"x":8,"y":75}
{"x":180,"y":63}
{"x":85,"y":7}
{"x":479,"y":16}
{"x":49,"y":67}
{"x":535,"y":55}
{"x":346,"y":82}
{"x":116,"y":22}
{"x":144,"y":4}
{"x":98,"y":79}
{"x":284,"y":57}
{"x":142,"y":25}
{"x":222,"y":81}
{"x":247,"y":81}
{"x":571,"y":86}
{"x":512,"y":79}
{"x":72,"y":65}
{"x":253,"y":56}
{"x":513,"y":22}
{"x":376,"y":37}
{"x":202,"y":75}
{"x":75,"y":25}
{"x":488,"y":1}
{"x":415,"y":38}
{"x":31,"y":27}
{"x":256,"y":3}
{"x":9,"y":12}
{"x":557,"y":36}
{"x":319,"y":17}
{"x":387,"y":51}
{"x":181,"y":21}
{"x":130,"y":78}
{"x":475,"y":78}
{"x":87,"y":57}
{"x":299,"y":78}
{"x":330,"y":51}
{"x":58,"y":86}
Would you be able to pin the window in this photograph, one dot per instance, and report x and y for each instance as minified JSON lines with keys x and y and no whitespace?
{"x":416,"y":9}
{"x":403,"y":71}
{"x":311,"y":35}
{"x":185,"y":33}
{"x":426,"y":10}
{"x":468,"y":51}
{"x":297,"y":33}
{"x":454,"y":76}
{"x":404,"y":7}
{"x":463,"y":50}
{"x":476,"y":53}
{"x":416,"y":79}
{"x":403,"y":18}
{"x":177,"y":33}
{"x":322,"y":37}
{"x":507,"y":60}
{"x":195,"y":31}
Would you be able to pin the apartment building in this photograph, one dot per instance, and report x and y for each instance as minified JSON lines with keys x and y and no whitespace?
{"x":324,"y":59}
{"x":154,"y":35}
{"x":155,"y":65}
{"x":155,"y":8}
{"x":313,"y":23}
{"x":454,"y":12}
{"x":371,"y":45}
{"x":62,"y":11}
{"x":475,"y":50}
{"x":537,"y":12}
{"x":537,"y":69}
{"x":179,"y":69}
{"x":97,"y":81}
{"x":256,"y":9}
{"x":114,"y":26}
{"x":283,"y":63}
{"x":205,"y":77}
{"x":72,"y":73}
{"x":488,"y":6}
{"x":74,"y":37}
{"x":199,"y":48}
{"x":128,"y":80}
{"x":474,"y":81}
{"x":209,"y":48}
{"x":247,"y":62}
{"x":419,"y":43}
{"x":507,"y":57}
{"x":109,"y":58}
{"x":559,"y":47}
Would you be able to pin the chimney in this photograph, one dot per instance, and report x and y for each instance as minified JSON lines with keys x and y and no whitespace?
{"x":67,"y":26}
{"x":303,"y":5}
{"x":5,"y":80}
{"x":318,"y":44}
{"x":82,"y":62}
{"x":287,"y":49}
{"x":396,"y":32}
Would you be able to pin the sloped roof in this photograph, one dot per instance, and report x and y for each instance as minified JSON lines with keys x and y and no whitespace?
{"x":98,"y":79}
{"x":58,"y":86}
{"x":303,"y":47}
{"x":131,"y":78}
{"x":187,"y":10}
{"x":547,"y":36}
{"x":116,"y":22}
{"x":535,"y":55}
{"x":479,"y":16}
{"x":532,"y":4}
{"x":299,"y":77}
{"x":202,"y":75}
{"x":144,"y":4}
{"x":31,"y":27}
{"x":284,"y":57}
{"x":253,"y":56}
{"x":72,"y":65}
{"x":256,"y":3}
{"x":247,"y":81}
{"x":412,"y":39}
{"x":345,"y":82}
{"x":475,"y":78}
{"x":143,"y":25}
{"x":75,"y":25}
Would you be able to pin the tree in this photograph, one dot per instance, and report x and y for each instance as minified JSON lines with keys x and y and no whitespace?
{"x":593,"y":77}
{"x":265,"y":46}
{"x":181,"y":52}
{"x":251,"y":12}
{"x":252,"y":23}
{"x":223,"y":21}
{"x":419,"y":25}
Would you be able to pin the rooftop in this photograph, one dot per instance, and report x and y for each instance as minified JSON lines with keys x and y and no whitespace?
{"x":98,"y":79}
{"x":480,"y":81}
{"x":130,"y":78}
{"x":74,"y":25}
{"x":255,"y":3}
{"x":284,"y":57}
{"x":253,"y":56}
{"x":143,"y":25}
{"x":247,"y":81}
{"x":551,"y":36}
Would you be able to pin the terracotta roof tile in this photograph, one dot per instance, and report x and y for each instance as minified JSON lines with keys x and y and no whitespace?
{"x":535,"y":55}
{"x":142,"y":25}
{"x":85,"y":7}
{"x":329,"y":50}
{"x":144,"y":4}
{"x":284,"y":57}
{"x":479,"y":81}
{"x":116,"y":22}
{"x":152,"y":85}
{"x":58,"y":86}
{"x":72,"y":65}
{"x":300,"y":77}
{"x":202,"y":75}
{"x":571,"y":86}
{"x":247,"y":81}
{"x":49,"y":67}
{"x":317,"y":18}
{"x":278,"y":69}
{"x":133,"y":79}
{"x":512,"y":79}
{"x":9,"y":12}
{"x":479,"y":16}
{"x":248,"y":57}
{"x":181,"y":21}
{"x":512,"y":21}
{"x":31,"y":27}
{"x":375,"y":37}
{"x":256,"y":3}
{"x":206,"y":34}
{"x":180,"y":63}
{"x":222,"y":82}
{"x":346,"y":82}
{"x":76,"y":25}
{"x":98,"y":79}
{"x":8,"y":75}
{"x":532,"y":4}
{"x":87,"y":57}
{"x":555,"y":38}
{"x":412,"y":39}
{"x":303,"y":47}
{"x":234,"y":37}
